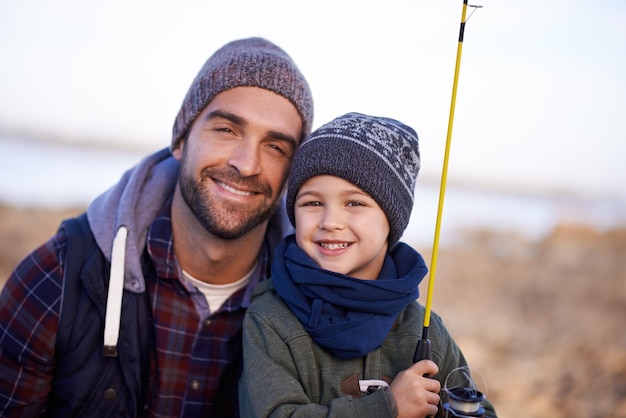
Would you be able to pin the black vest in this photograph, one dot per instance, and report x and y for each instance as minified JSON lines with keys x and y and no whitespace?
{"x":87,"y":383}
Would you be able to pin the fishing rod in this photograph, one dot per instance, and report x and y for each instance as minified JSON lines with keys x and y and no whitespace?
{"x":422,"y":351}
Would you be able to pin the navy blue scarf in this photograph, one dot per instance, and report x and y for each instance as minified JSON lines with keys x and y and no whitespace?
{"x":348,"y":316}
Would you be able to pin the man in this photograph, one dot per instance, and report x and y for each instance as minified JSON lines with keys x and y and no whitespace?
{"x":135,"y":307}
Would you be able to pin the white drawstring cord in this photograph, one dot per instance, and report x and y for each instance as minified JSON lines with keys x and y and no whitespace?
{"x":116,"y":290}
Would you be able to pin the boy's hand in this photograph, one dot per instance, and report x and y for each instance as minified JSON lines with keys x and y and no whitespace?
{"x":416,"y":395}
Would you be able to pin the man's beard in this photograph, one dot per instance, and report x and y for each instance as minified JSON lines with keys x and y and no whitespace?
{"x":223,"y":220}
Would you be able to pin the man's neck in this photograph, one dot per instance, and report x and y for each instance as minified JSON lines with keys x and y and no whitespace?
{"x":210,"y":258}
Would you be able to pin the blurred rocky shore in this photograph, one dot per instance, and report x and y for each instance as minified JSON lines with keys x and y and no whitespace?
{"x":541,"y":320}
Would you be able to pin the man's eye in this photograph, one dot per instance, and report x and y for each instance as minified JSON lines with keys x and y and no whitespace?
{"x":277,"y":148}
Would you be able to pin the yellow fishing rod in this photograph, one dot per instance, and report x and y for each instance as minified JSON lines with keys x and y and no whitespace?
{"x":423,"y":347}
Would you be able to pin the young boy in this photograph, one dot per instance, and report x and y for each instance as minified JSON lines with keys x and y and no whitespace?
{"x":334,"y":332}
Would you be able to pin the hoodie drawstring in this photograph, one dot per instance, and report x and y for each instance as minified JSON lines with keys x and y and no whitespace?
{"x":116,"y":290}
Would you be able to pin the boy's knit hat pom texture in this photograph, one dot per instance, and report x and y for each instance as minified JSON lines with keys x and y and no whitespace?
{"x":379,"y":155}
{"x":251,"y":62}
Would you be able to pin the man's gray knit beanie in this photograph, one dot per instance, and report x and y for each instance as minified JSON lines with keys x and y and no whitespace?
{"x":379,"y":155}
{"x":252,"y":62}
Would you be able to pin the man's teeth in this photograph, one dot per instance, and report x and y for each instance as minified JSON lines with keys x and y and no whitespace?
{"x":235,"y":191}
{"x":333,"y":246}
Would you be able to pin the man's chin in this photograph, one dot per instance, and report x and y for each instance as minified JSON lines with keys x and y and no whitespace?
{"x":231,"y":227}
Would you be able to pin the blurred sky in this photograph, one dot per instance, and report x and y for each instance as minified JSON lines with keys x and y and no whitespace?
{"x":541,"y":96}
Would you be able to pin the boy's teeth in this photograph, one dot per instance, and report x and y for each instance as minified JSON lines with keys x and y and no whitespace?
{"x":333,"y":246}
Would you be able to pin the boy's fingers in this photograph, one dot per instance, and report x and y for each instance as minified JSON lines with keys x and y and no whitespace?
{"x":425,"y":368}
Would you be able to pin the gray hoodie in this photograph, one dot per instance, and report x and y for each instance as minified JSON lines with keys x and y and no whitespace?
{"x":120,"y":217}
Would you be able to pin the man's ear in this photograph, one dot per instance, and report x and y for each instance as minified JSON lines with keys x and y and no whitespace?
{"x":178,"y":151}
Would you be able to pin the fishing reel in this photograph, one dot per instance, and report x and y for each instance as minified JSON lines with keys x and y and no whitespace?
{"x":461,"y":396}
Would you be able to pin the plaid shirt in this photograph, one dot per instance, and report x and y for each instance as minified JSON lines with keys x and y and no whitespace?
{"x":194,"y":347}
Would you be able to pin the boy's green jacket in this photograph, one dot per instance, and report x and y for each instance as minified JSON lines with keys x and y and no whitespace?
{"x":286,"y":374}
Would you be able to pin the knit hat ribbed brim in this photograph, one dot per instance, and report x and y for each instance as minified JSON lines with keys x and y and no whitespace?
{"x":252,"y":62}
{"x":379,"y":155}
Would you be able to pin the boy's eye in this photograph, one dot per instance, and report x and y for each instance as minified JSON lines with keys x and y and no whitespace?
{"x":312,"y":203}
{"x":354,"y":203}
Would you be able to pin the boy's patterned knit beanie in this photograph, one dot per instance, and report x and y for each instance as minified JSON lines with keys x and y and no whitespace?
{"x":379,"y":155}
{"x":252,"y":62}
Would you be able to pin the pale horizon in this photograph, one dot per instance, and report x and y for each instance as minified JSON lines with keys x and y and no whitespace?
{"x":539,"y":102}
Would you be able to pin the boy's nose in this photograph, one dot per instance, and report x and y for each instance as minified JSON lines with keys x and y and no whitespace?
{"x":332,"y":219}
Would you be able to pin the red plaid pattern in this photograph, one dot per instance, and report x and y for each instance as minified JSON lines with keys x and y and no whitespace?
{"x":197,"y":359}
